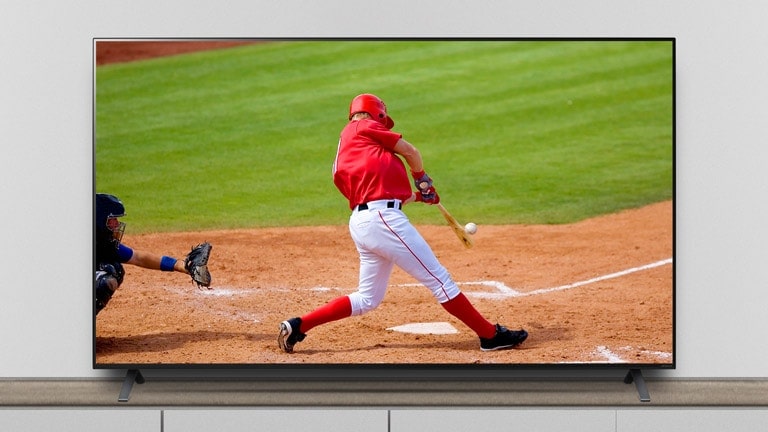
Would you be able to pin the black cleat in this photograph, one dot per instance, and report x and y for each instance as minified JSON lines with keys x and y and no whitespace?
{"x":290,"y":334}
{"x":503,"y":339}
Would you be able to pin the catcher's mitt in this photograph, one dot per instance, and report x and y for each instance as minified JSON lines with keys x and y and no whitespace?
{"x":196,"y":264}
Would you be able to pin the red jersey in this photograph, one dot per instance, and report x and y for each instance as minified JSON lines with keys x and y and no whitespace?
{"x":366,"y":167}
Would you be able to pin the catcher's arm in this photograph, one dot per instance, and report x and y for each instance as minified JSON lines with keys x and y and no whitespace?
{"x":153,"y":261}
{"x":195,"y":264}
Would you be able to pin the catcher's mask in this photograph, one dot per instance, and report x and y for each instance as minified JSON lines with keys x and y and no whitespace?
{"x":108,"y":209}
{"x":372,"y":105}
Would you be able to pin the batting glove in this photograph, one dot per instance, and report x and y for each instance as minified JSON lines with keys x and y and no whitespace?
{"x":431,"y":197}
{"x":422,"y":181}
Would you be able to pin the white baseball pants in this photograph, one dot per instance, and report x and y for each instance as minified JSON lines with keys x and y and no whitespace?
{"x":384,"y":237}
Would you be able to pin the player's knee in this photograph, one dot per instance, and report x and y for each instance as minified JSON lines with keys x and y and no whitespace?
{"x":362,"y":304}
{"x":368,"y":305}
{"x":105,"y":286}
{"x":446,"y":291}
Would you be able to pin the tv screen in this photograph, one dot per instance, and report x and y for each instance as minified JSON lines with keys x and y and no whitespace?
{"x":330,"y":245}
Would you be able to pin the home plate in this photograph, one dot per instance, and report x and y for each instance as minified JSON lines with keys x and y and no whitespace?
{"x":426,"y":328}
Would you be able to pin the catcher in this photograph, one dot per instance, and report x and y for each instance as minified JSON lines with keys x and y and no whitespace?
{"x":111,"y":254}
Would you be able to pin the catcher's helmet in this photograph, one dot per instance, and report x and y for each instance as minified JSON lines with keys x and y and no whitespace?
{"x":108,"y":209}
{"x":372,"y":105}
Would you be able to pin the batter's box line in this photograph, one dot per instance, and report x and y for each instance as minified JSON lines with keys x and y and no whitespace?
{"x":613,"y":357}
{"x":503,"y":291}
{"x":607,"y":355}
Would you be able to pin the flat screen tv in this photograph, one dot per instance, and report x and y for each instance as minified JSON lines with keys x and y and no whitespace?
{"x":560,"y":151}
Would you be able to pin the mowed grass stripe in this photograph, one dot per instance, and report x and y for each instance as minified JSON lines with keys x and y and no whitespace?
{"x":534,"y":132}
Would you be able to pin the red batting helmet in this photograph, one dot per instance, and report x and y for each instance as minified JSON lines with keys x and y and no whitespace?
{"x":372,"y":105}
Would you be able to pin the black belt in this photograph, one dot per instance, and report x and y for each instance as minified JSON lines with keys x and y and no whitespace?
{"x":390,"y":204}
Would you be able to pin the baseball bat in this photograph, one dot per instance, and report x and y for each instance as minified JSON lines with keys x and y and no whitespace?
{"x":465,"y":238}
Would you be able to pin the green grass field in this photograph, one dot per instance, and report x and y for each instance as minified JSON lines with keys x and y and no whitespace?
{"x":510,"y":131}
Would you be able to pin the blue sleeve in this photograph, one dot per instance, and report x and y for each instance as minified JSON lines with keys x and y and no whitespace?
{"x":124,"y":253}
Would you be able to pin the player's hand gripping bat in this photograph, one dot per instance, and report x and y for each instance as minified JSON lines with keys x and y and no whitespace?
{"x":462,"y":234}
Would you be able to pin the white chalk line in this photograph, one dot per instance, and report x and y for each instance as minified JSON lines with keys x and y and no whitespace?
{"x":503,"y":291}
{"x":218,"y":309}
{"x":613,"y":357}
{"x":609,"y":355}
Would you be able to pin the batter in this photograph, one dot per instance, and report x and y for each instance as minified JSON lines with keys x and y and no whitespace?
{"x":369,"y":171}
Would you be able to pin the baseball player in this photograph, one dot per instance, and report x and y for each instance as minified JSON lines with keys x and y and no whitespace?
{"x":111,"y":254}
{"x":370,"y":173}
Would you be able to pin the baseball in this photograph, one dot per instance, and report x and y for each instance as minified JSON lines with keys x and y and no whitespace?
{"x":471,"y":228}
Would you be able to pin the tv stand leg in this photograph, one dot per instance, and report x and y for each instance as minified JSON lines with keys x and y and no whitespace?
{"x":133,"y":375}
{"x":636,"y":376}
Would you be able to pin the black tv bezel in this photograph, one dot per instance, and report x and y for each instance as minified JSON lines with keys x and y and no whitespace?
{"x":375,"y":371}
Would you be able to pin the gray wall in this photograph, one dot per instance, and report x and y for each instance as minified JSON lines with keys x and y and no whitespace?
{"x":45,"y":172}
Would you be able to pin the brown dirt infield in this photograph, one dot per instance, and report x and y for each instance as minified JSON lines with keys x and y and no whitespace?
{"x":263,"y":276}
{"x":520,"y":276}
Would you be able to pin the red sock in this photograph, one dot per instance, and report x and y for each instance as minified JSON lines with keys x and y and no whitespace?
{"x":334,"y":310}
{"x":462,"y":309}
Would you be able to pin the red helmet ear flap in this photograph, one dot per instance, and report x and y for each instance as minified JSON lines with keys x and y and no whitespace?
{"x":389,"y":123}
{"x":372,"y":105}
